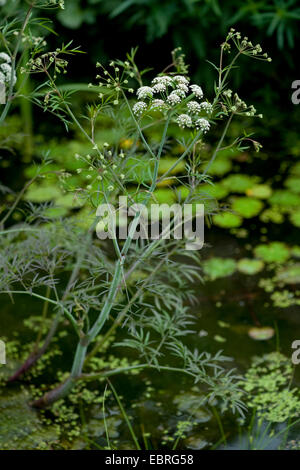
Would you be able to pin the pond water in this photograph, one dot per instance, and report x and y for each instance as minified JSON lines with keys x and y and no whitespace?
{"x":226,"y":310}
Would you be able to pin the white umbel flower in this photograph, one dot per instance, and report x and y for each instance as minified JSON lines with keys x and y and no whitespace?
{"x":197,"y":90}
{"x":144,"y":92}
{"x":158,"y":105}
{"x":173,"y":98}
{"x":5,"y":57}
{"x":181,"y":79}
{"x":139,"y":108}
{"x":182,"y":87}
{"x":206,"y":107}
{"x":179,"y":92}
{"x":184,"y":120}
{"x":193,"y":107}
{"x":202,"y":125}
{"x":159,"y":87}
{"x":163,"y":79}
{"x":5,"y":68}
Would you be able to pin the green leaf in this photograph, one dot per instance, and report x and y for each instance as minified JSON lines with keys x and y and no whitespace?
{"x":227,"y":220}
{"x":293,"y":183}
{"x":260,"y":191}
{"x":295,"y":218}
{"x":289,"y":275}
{"x":219,"y":267}
{"x":285,"y":198}
{"x":274,"y":252}
{"x":247,"y":207}
{"x":239,"y":183}
{"x":217,"y":190}
{"x":250,"y":266}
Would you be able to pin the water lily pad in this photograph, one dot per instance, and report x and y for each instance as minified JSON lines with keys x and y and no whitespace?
{"x":272,"y":215}
{"x":196,"y":442}
{"x":260,"y":191}
{"x":274,"y":252}
{"x":55,"y":212}
{"x":42,"y":192}
{"x":167,"y":162}
{"x":227,"y":220}
{"x":295,"y":218}
{"x":239,"y":183}
{"x":285,"y":198}
{"x":295,"y":251}
{"x":219,"y":267}
{"x":220,"y":166}
{"x":290,"y":274}
{"x":293,"y":183}
{"x":216,"y":190}
{"x":192,"y":403}
{"x":247,"y":207}
{"x":261,"y":333}
{"x":250,"y":266}
{"x":164,"y":195}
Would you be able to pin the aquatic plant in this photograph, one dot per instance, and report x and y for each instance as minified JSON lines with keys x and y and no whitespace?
{"x":143,"y":285}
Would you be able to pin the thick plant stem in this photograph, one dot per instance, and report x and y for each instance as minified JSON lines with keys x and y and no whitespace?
{"x":63,"y":389}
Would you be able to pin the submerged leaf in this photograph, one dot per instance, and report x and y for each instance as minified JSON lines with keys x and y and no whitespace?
{"x":219,"y":267}
{"x":250,"y":266}
{"x":261,"y":333}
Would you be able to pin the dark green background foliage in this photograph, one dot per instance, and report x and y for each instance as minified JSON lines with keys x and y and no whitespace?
{"x":197,"y":25}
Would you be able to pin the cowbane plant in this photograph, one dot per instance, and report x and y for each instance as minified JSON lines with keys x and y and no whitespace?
{"x":143,"y":287}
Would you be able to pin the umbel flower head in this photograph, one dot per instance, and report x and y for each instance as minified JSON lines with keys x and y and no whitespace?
{"x":175,"y":94}
{"x":5,"y":69}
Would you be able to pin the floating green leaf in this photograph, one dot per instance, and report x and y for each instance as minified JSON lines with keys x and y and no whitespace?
{"x":43,"y":192}
{"x":227,"y":220}
{"x":272,"y":215}
{"x":219,"y":267}
{"x":274,"y":252}
{"x":216,"y":190}
{"x":260,"y":191}
{"x":293,"y":183}
{"x":295,"y":218}
{"x":239,"y":183}
{"x":283,"y":197}
{"x":250,"y":266}
{"x":290,"y":274}
{"x":220,"y":166}
{"x":247,"y":207}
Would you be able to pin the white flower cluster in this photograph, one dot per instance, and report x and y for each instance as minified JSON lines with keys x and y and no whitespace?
{"x":5,"y":69}
{"x":202,"y":125}
{"x":174,"y":93}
